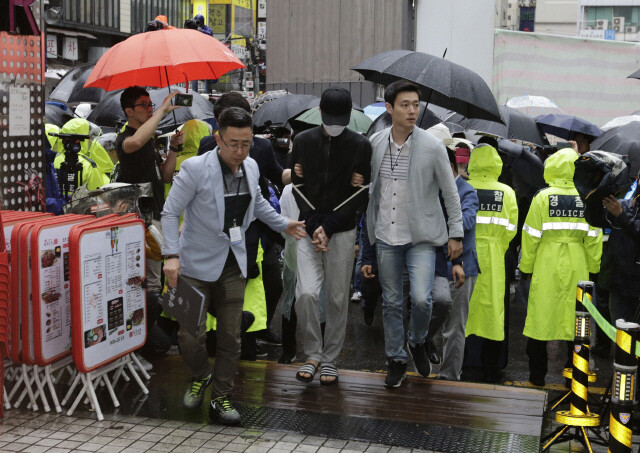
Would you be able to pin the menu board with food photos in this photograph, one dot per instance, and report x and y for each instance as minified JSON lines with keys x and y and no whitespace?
{"x":51,"y":291}
{"x":107,"y":297}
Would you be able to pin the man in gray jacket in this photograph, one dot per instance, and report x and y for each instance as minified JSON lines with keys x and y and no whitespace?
{"x":409,"y":168}
{"x":219,"y":195}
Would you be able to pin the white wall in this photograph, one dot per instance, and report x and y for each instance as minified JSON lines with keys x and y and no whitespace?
{"x":464,"y":27}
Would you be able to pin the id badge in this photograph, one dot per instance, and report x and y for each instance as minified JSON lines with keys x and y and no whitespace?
{"x":235,"y":235}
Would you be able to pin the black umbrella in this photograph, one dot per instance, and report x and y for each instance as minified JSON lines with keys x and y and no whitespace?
{"x":635,"y":75}
{"x":564,"y":126}
{"x":266,"y":97}
{"x":54,"y":114}
{"x":620,"y":140}
{"x":70,"y":88}
{"x":278,"y":111}
{"x":108,"y":112}
{"x":426,"y":119}
{"x":518,"y":126}
{"x":447,"y":84}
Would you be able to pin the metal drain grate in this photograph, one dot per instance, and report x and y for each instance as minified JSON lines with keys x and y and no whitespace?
{"x":400,"y":434}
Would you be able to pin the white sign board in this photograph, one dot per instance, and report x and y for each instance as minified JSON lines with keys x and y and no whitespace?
{"x":52,"y":46}
{"x":19,"y":111}
{"x":592,"y":34}
{"x":54,"y":301}
{"x":262,"y":30}
{"x":70,"y":48}
{"x":112,"y":316}
{"x":262,"y":9}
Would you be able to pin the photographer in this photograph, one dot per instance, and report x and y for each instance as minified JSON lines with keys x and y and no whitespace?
{"x":140,"y":163}
{"x":621,"y":261}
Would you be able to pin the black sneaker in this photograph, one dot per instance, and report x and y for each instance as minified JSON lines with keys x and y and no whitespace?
{"x":222,"y":410}
{"x":261,"y":351}
{"x":419,"y":355}
{"x":397,"y":373}
{"x":432,"y":353}
{"x":267,"y":336}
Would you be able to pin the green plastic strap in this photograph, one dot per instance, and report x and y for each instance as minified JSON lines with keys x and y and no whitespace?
{"x":607,"y":328}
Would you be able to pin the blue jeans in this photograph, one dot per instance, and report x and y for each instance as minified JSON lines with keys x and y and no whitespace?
{"x":357,"y":275}
{"x":420,"y":261}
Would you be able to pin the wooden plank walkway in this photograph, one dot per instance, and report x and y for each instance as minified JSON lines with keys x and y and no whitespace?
{"x":422,"y":401}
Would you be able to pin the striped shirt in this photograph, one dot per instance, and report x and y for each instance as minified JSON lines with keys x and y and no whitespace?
{"x":392,"y":226}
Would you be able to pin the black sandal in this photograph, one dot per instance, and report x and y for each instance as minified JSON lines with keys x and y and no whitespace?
{"x":329,"y":370}
{"x":308,"y":368}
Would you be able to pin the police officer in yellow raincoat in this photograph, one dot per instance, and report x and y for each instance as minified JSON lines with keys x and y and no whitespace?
{"x":96,"y":163}
{"x":496,"y":224}
{"x":559,"y":248}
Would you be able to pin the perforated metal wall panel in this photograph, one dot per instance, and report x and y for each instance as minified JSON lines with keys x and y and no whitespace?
{"x":22,"y":148}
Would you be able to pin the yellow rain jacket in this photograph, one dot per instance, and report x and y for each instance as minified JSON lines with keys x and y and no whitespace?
{"x":194,"y":131}
{"x":93,"y":177}
{"x":496,"y":225}
{"x":559,"y":248}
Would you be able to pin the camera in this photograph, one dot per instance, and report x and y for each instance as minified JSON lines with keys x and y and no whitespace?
{"x":184,"y":100}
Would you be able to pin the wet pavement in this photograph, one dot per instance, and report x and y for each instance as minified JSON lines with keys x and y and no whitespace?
{"x":158,"y":422}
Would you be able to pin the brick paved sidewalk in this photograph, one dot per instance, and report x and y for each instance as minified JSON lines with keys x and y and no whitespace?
{"x":25,"y":431}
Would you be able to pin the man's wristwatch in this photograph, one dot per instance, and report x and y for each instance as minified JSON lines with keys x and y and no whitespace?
{"x":168,"y":257}
{"x":174,"y":149}
{"x":457,"y":239}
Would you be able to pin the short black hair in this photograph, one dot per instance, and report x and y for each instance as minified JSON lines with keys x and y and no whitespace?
{"x":488,"y":140}
{"x":452,"y":158}
{"x":231,"y":99}
{"x":397,"y":87}
{"x":131,"y":95}
{"x":234,"y":117}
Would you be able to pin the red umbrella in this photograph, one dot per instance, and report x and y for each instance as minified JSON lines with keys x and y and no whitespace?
{"x":162,"y":58}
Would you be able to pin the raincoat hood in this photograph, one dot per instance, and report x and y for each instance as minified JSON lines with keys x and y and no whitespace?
{"x":560,"y":167}
{"x":77,"y":126}
{"x":54,"y":142}
{"x":484,"y":163}
{"x":194,"y":131}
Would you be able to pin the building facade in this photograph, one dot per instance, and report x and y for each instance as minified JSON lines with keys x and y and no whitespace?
{"x":313,"y":44}
{"x":617,"y":20}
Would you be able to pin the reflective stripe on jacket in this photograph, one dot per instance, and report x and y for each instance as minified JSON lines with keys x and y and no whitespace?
{"x":496,"y":225}
{"x":559,"y":248}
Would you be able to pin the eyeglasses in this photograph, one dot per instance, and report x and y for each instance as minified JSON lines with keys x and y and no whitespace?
{"x":236,"y":146}
{"x":144,"y":105}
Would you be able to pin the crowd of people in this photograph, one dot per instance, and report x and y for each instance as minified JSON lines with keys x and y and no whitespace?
{"x":439,"y":225}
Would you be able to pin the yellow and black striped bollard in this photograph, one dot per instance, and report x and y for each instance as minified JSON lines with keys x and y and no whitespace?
{"x":575,"y":422}
{"x":625,"y":369}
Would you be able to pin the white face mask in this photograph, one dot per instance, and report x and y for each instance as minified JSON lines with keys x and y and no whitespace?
{"x":334,"y":130}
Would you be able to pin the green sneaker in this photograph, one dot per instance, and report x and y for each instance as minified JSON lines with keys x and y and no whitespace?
{"x":224,"y":412}
{"x":194,"y":394}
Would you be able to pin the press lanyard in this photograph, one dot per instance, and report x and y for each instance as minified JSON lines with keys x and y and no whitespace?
{"x":235,"y":200}
{"x":392,"y":166}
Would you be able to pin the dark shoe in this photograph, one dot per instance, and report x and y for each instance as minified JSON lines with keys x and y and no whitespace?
{"x":432,"y":354}
{"x":494,"y":377}
{"x":261,"y":351}
{"x":287,"y":357}
{"x":368,"y":317}
{"x":397,"y":373}
{"x":419,"y":355}
{"x":222,"y":410}
{"x":193,"y":396}
{"x":267,"y":336}
{"x":601,"y":350}
{"x":537,"y":381}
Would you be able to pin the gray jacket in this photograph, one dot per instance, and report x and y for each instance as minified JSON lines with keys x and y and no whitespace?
{"x":198,"y":190}
{"x":429,"y":173}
